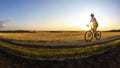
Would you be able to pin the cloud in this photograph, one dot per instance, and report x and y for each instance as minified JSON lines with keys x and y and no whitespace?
{"x":4,"y":23}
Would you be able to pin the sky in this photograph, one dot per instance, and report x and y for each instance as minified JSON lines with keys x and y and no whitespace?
{"x":58,"y":14}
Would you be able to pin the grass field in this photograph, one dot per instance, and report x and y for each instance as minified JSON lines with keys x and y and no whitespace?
{"x":55,"y":37}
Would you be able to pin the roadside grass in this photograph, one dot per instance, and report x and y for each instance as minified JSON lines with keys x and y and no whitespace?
{"x":56,"y":52}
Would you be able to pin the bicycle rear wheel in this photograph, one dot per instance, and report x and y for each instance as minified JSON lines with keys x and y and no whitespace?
{"x":88,"y":36}
{"x":98,"y":35}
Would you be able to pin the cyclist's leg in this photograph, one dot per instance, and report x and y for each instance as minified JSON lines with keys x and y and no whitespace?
{"x":92,"y":29}
{"x":95,"y":30}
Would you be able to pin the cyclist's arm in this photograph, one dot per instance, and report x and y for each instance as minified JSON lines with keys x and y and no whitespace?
{"x":90,"y":20}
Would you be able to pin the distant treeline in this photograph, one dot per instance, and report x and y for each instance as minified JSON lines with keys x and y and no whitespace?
{"x":113,"y":31}
{"x":17,"y":31}
{"x":34,"y":31}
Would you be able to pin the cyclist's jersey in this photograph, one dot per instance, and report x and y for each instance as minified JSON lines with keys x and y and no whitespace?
{"x":93,"y":23}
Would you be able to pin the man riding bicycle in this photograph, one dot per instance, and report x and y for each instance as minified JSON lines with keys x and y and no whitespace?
{"x":93,"y":33}
{"x":93,"y":23}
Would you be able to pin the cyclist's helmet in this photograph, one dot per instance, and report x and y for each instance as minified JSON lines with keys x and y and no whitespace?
{"x":92,"y":14}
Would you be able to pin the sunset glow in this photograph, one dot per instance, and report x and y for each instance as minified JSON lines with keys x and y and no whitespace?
{"x":58,"y":14}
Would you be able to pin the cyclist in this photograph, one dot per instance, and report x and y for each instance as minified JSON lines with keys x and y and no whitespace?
{"x":93,"y":23}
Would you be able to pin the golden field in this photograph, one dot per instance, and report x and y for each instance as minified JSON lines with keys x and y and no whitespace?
{"x":53,"y":36}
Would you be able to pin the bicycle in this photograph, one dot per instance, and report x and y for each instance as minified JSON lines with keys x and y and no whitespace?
{"x":89,"y":35}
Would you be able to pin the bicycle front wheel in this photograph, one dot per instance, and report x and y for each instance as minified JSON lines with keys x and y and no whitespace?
{"x":88,"y":36}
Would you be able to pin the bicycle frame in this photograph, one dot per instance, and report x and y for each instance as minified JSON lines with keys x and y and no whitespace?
{"x":91,"y":29}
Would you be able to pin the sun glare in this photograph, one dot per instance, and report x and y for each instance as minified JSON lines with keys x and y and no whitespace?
{"x":80,"y":21}
{"x":83,"y":19}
